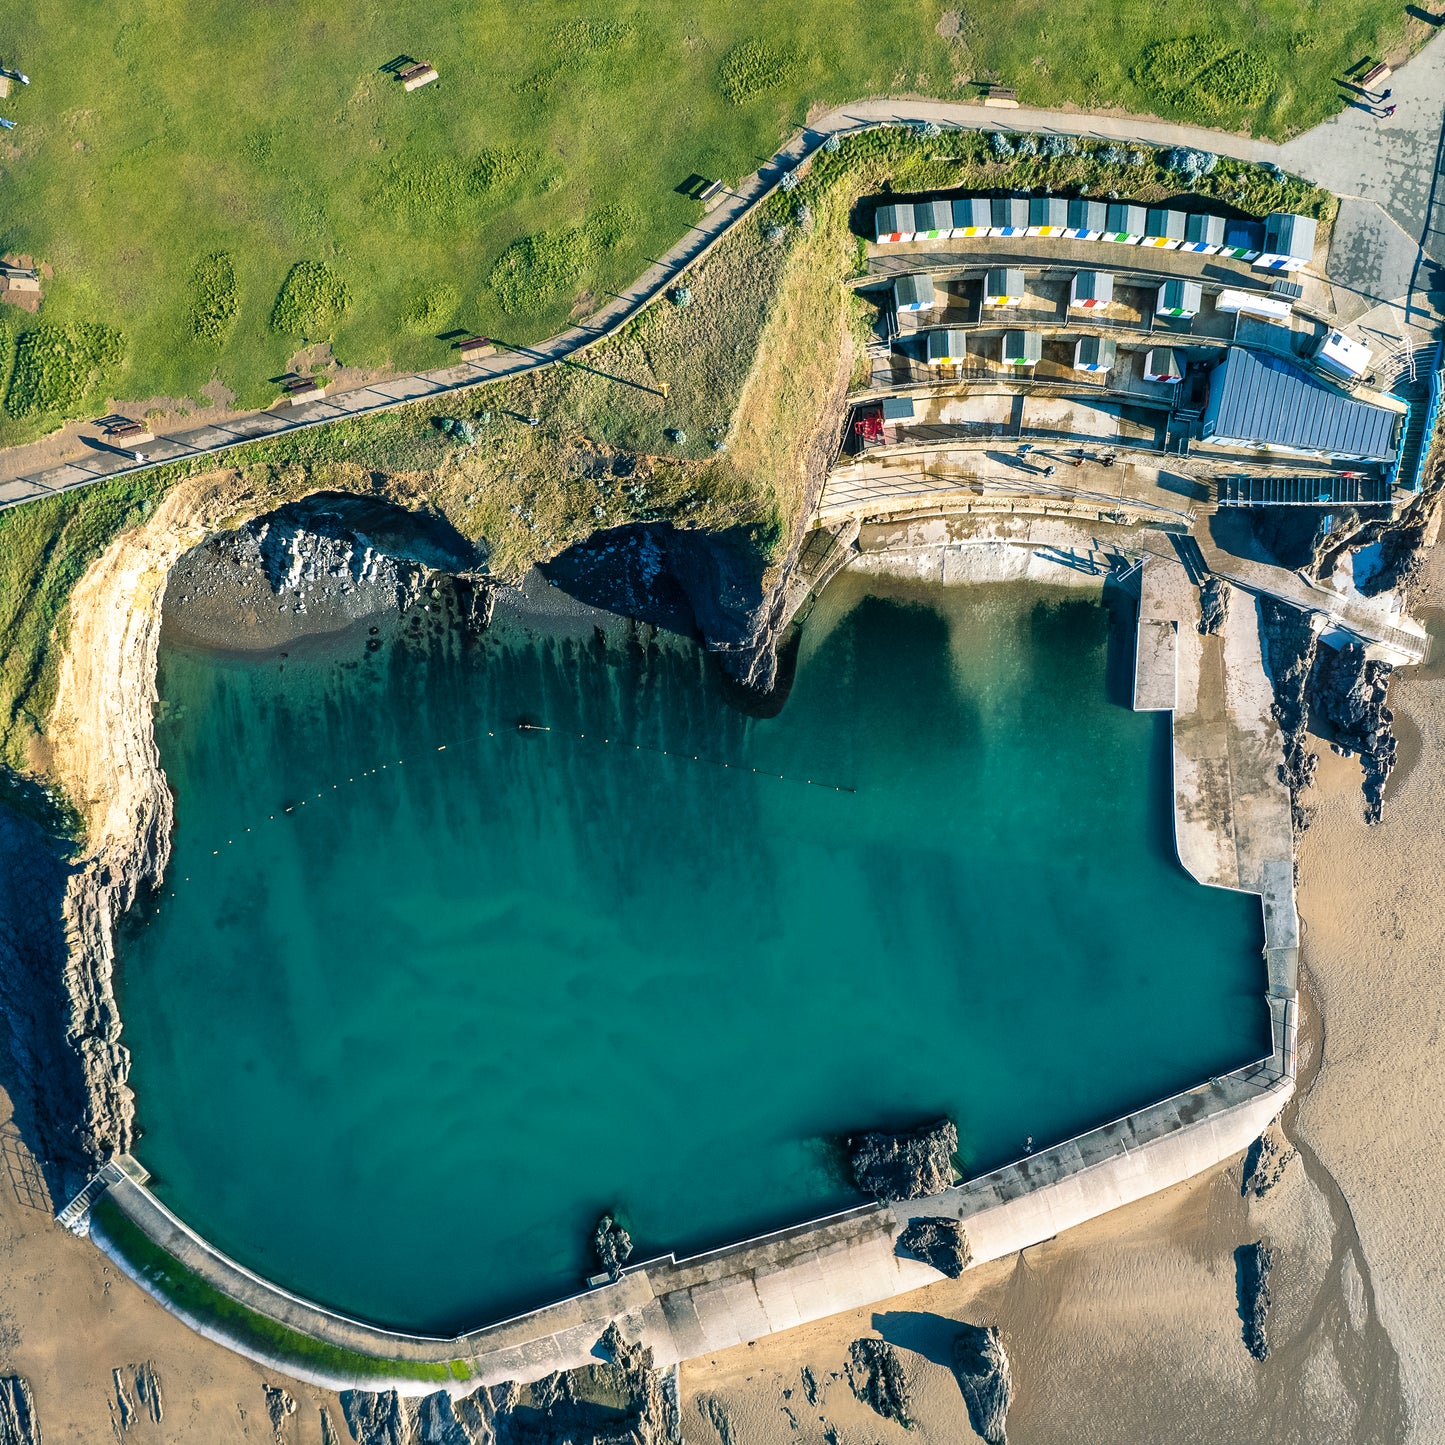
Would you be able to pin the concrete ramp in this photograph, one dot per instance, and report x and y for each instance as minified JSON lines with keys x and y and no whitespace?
{"x":1167,"y":605}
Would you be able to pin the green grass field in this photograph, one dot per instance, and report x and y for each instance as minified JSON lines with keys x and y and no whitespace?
{"x":217,"y":185}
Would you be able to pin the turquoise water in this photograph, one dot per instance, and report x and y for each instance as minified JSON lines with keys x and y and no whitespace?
{"x":398,"y":1048}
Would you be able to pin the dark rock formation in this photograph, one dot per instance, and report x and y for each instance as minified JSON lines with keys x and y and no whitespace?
{"x":437,"y":1422}
{"x":986,"y":1380}
{"x":1265,"y":1162}
{"x":1347,"y":704}
{"x":376,"y":1418}
{"x":1289,"y":646}
{"x":1214,"y":593}
{"x":876,"y":1375}
{"x":18,"y":1422}
{"x":1252,"y":1264}
{"x":943,"y":1243}
{"x":613,"y":1246}
{"x":280,"y":1406}
{"x":910,"y":1165}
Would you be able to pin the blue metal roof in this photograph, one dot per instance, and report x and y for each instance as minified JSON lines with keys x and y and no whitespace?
{"x":1255,"y":397}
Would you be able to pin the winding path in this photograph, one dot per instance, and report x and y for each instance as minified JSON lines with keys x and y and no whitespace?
{"x":1394,"y":163}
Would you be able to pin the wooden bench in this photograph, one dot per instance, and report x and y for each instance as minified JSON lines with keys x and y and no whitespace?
{"x":128,"y":431}
{"x":1002,"y":97}
{"x":474,"y":348}
{"x":418,"y":75}
{"x":304,"y":388}
{"x":1378,"y":71}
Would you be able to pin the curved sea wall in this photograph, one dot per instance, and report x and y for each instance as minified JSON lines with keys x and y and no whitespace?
{"x":681,"y":1308}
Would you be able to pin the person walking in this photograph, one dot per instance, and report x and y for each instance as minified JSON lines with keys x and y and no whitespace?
{"x":1388,"y":111}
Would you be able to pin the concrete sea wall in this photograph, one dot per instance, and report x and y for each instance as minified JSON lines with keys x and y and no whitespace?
{"x":1232,"y":830}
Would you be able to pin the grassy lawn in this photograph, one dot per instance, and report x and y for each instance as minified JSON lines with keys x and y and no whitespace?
{"x":208,"y":1305}
{"x":750,"y":366}
{"x":217,"y":185}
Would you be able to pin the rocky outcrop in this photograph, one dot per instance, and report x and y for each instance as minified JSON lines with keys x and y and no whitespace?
{"x":280,"y":1407}
{"x":943,"y":1243}
{"x":146,"y":1385}
{"x":1214,"y":594}
{"x":877,"y":1378}
{"x":1252,"y":1264}
{"x":612,"y":1245}
{"x":986,"y":1380}
{"x":376,"y":1418}
{"x":18,"y":1422}
{"x":1347,"y":704}
{"x":909,"y":1165}
{"x":1265,"y":1163}
{"x":1289,"y":648}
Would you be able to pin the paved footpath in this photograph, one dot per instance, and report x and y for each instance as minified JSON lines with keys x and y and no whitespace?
{"x":1394,"y":163}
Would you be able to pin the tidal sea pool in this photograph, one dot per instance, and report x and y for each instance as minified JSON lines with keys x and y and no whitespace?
{"x":399,"y":1047}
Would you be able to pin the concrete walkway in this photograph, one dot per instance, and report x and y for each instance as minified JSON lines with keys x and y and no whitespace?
{"x":1392,"y":163}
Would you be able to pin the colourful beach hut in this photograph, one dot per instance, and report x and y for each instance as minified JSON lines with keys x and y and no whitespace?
{"x":1095,"y":353}
{"x":1022,"y":349}
{"x":947,"y":348}
{"x":1163,"y":229}
{"x":1048,"y":216}
{"x":914,"y":293}
{"x":932,"y":220}
{"x":1010,"y":216}
{"x":1202,"y":233}
{"x":1179,"y":298}
{"x":972,"y":216}
{"x":1003,"y":288}
{"x":1162,"y":364}
{"x":1091,"y":290}
{"x":1124,"y":224}
{"x":1243,"y":240}
{"x":1289,"y":242}
{"x":893,"y":223}
{"x":1086,"y":220}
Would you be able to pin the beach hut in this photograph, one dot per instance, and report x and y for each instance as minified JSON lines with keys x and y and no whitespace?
{"x":1179,"y":298}
{"x":1243,"y":240}
{"x":1009,"y":216}
{"x":893,"y":223}
{"x":1095,"y":353}
{"x":1163,"y":229}
{"x":947,"y":348}
{"x":1048,"y":216}
{"x":1161,"y":364}
{"x":1124,"y":224}
{"x":972,"y":216}
{"x":1340,"y":355}
{"x":914,"y":293}
{"x":932,"y":220}
{"x":1289,"y":242}
{"x":1003,"y":288}
{"x":1091,"y":290}
{"x":1085,"y":220}
{"x":1202,"y":233}
{"x":1022,"y":348}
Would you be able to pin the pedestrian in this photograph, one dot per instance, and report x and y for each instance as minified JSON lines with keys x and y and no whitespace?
{"x":1388,"y":111}
{"x":1384,"y":96}
{"x":1078,"y":461}
{"x":1048,"y":471}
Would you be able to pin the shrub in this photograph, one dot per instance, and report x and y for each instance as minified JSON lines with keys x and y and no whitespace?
{"x":803,"y":215}
{"x":680,"y":296}
{"x":929,"y":130}
{"x":1113,"y":155}
{"x":773,"y":233}
{"x":433,"y":308}
{"x":57,"y":366}
{"x":833,"y":144}
{"x":535,"y":271}
{"x":1027,"y":146}
{"x":311,"y":301}
{"x":1000,"y":144}
{"x":751,"y":68}
{"x":213,"y":296}
{"x":789,"y":181}
{"x":1053,"y":146}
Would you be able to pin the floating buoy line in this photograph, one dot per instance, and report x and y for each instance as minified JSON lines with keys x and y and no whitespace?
{"x":523,"y":727}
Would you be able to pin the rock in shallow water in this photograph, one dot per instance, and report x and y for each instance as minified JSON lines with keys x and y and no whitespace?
{"x":613,"y":1246}
{"x":986,"y":1380}
{"x":910,"y":1165}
